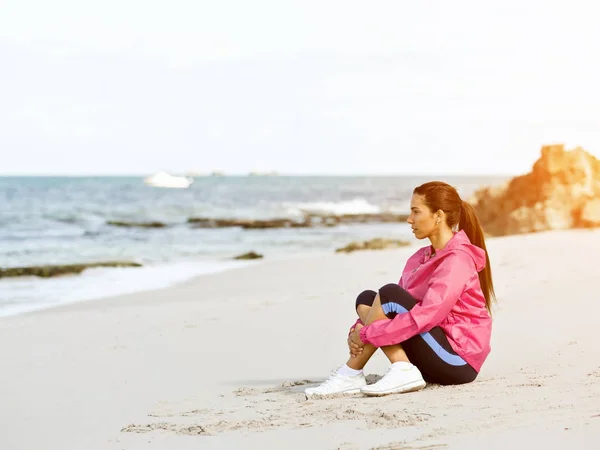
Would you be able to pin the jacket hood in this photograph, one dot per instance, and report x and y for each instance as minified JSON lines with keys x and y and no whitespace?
{"x":460,"y":242}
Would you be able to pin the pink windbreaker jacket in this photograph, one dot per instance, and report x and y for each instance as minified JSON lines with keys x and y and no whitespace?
{"x":449,"y":294}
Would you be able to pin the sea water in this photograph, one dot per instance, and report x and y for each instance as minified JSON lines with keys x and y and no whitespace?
{"x":63,"y":220}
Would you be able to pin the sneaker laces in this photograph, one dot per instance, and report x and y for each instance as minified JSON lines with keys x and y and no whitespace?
{"x":332,"y":376}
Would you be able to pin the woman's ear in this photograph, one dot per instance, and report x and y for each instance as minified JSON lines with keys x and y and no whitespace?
{"x":439,"y":216}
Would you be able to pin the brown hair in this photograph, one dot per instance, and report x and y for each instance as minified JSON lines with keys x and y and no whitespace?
{"x":439,"y":195}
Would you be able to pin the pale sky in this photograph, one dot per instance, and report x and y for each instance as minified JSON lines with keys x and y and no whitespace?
{"x":323,"y":87}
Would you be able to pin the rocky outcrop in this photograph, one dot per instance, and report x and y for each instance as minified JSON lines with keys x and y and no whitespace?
{"x":249,"y":255}
{"x":205,"y":222}
{"x":309,"y":220}
{"x":274,"y":223}
{"x":199,"y":222}
{"x":562,"y":191}
{"x":360,"y":218}
{"x":55,"y":271}
{"x":373,"y":244}
{"x":118,"y":223}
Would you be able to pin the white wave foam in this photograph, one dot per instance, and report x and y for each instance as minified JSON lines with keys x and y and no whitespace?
{"x":398,"y":209}
{"x":58,"y":232}
{"x":32,"y":294}
{"x":354,"y":206}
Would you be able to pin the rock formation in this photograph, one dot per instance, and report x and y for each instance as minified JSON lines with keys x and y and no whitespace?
{"x":119,"y":223}
{"x":309,"y":220}
{"x":249,"y":255}
{"x":562,"y":191}
{"x":373,"y":244}
{"x":55,"y":271}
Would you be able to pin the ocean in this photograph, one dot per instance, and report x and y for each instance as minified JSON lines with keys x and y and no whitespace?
{"x":63,"y":220}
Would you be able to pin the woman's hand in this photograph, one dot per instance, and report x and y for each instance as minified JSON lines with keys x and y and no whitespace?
{"x":355,"y":345}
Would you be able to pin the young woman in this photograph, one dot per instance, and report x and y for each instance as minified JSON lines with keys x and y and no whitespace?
{"x":435,"y":324}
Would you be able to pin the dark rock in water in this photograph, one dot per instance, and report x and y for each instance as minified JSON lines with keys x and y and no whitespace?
{"x":275,"y":223}
{"x":359,"y":218}
{"x":55,"y":271}
{"x":200,"y":222}
{"x":245,"y":223}
{"x":562,"y":191}
{"x":373,"y":244}
{"x":117,"y":223}
{"x":309,"y":220}
{"x":249,"y":255}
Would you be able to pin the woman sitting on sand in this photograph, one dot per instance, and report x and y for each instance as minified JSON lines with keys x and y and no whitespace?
{"x":435,"y":324}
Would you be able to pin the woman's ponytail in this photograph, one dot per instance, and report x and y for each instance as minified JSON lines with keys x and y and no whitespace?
{"x":472,"y":228}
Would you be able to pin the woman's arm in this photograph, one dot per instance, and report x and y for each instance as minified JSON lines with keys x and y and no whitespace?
{"x":445,"y":287}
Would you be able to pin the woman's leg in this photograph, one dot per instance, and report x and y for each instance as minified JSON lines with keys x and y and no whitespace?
{"x":402,"y":375}
{"x":438,"y":362}
{"x":349,"y":379}
{"x":430,"y":352}
{"x":364,"y":302}
{"x":369,"y":309}
{"x":394,"y":353}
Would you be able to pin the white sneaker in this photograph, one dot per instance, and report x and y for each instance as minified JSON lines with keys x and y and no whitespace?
{"x":398,"y":379}
{"x":338,"y":384}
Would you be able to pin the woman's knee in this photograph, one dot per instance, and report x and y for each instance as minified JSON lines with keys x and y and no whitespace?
{"x":393,"y":293}
{"x":366,"y":298}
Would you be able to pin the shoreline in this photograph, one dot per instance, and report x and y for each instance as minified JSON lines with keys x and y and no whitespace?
{"x":224,"y":266}
{"x":28,"y":293}
{"x":128,"y":280}
{"x":126,"y":275}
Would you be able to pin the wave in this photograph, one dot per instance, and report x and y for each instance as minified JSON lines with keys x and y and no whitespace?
{"x":40,"y":233}
{"x":31,"y":294}
{"x":354,"y":206}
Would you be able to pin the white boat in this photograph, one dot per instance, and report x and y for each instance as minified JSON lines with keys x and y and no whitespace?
{"x":166,"y":180}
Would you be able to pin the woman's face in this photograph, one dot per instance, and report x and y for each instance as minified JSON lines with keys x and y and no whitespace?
{"x":421,"y":219}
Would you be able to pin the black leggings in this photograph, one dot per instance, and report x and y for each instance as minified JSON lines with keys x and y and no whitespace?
{"x":430,"y":352}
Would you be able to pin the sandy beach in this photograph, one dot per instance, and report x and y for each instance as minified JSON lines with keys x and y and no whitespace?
{"x":221,"y":361}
